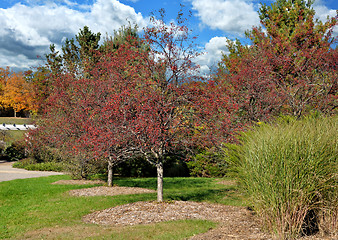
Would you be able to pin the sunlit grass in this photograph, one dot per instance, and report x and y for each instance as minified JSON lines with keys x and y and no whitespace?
{"x":13,"y":120}
{"x":10,"y":136}
{"x":35,"y":208}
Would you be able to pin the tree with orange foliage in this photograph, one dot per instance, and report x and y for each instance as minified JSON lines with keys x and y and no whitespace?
{"x":16,"y":93}
{"x":4,"y":75}
{"x":38,"y":82}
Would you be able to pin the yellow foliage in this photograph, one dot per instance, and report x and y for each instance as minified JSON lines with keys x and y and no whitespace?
{"x":15,"y":91}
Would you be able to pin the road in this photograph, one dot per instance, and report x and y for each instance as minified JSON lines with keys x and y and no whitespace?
{"x":7,"y":172}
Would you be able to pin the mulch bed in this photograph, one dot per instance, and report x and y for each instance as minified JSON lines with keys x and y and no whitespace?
{"x":234,"y":222}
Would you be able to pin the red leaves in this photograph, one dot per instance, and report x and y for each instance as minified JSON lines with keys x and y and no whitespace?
{"x":288,"y":70}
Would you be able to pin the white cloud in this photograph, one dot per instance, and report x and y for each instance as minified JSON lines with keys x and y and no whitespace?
{"x":27,"y":30}
{"x":322,"y":12}
{"x":108,"y":14}
{"x":231,"y":16}
{"x":214,"y":49}
{"x":16,"y":61}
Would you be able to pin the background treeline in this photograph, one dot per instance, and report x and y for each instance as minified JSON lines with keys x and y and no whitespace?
{"x":136,"y":104}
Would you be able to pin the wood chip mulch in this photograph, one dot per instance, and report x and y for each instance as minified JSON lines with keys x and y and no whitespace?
{"x":109,"y":191}
{"x":237,"y":221}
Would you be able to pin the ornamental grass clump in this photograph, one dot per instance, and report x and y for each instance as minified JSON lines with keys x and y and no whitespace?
{"x":289,"y":170}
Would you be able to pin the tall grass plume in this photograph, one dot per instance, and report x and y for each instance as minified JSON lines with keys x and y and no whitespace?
{"x":289,"y":170}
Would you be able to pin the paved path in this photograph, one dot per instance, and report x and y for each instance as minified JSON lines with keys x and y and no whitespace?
{"x":7,"y":172}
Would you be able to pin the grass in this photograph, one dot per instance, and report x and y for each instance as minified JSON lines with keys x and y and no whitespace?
{"x":190,"y":189}
{"x":35,"y":209}
{"x":13,"y":120}
{"x":289,"y":170}
{"x":10,"y":136}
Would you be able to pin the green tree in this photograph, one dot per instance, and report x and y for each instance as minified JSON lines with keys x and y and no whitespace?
{"x":78,"y":55}
{"x":124,"y":34}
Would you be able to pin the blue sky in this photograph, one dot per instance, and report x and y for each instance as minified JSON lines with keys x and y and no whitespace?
{"x":28,"y":27}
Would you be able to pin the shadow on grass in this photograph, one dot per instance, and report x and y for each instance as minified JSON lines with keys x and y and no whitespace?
{"x":199,"y":195}
{"x":189,"y":189}
{"x":168,"y":183}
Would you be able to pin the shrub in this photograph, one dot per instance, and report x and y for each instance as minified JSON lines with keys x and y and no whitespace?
{"x":207,"y":164}
{"x":15,"y":152}
{"x":289,"y":170}
{"x":45,"y":154}
{"x":29,"y":164}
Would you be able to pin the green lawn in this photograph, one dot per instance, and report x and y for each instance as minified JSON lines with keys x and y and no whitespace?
{"x":13,"y":120}
{"x":35,"y":209}
{"x":12,"y":136}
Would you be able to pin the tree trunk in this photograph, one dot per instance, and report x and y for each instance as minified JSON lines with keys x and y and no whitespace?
{"x":159,"y":166}
{"x":14,"y":113}
{"x":110,"y":173}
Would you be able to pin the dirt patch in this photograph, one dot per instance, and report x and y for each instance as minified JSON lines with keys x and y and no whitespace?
{"x":78,"y":182}
{"x":109,"y":191}
{"x":235,"y":222}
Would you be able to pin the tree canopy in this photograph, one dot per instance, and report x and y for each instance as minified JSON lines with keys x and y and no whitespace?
{"x":291,"y":67}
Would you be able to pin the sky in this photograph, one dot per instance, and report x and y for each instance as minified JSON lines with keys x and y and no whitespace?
{"x":28,"y":27}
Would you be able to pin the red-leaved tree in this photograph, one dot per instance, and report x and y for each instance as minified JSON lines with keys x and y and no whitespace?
{"x":291,"y":67}
{"x":163,"y":116}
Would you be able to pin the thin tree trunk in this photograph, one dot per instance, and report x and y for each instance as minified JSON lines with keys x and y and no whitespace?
{"x":14,"y":113}
{"x":159,"y":166}
{"x":110,"y":173}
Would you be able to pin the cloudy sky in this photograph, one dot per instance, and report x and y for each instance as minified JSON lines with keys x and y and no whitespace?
{"x":28,"y":27}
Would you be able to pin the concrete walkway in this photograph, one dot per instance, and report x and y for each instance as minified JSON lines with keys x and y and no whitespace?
{"x":7,"y":172}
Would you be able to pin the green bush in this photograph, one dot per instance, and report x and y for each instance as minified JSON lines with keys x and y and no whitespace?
{"x":15,"y":152}
{"x":45,"y":154}
{"x":48,"y":166}
{"x":23,"y":163}
{"x":29,"y":164}
{"x":207,"y":164}
{"x":289,"y":171}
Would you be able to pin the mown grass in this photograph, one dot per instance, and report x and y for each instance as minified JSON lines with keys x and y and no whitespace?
{"x":10,"y":136}
{"x":13,"y":120}
{"x":13,"y":136}
{"x":36,"y":209}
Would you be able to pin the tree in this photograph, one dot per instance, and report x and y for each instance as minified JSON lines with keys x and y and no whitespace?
{"x":4,"y":75}
{"x":61,"y":100}
{"x":291,"y":68}
{"x":130,"y":99}
{"x":39,"y":80}
{"x":16,"y":93}
{"x":163,"y":113}
{"x":77,"y":56}
{"x":117,"y":76}
{"x":86,"y":114}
